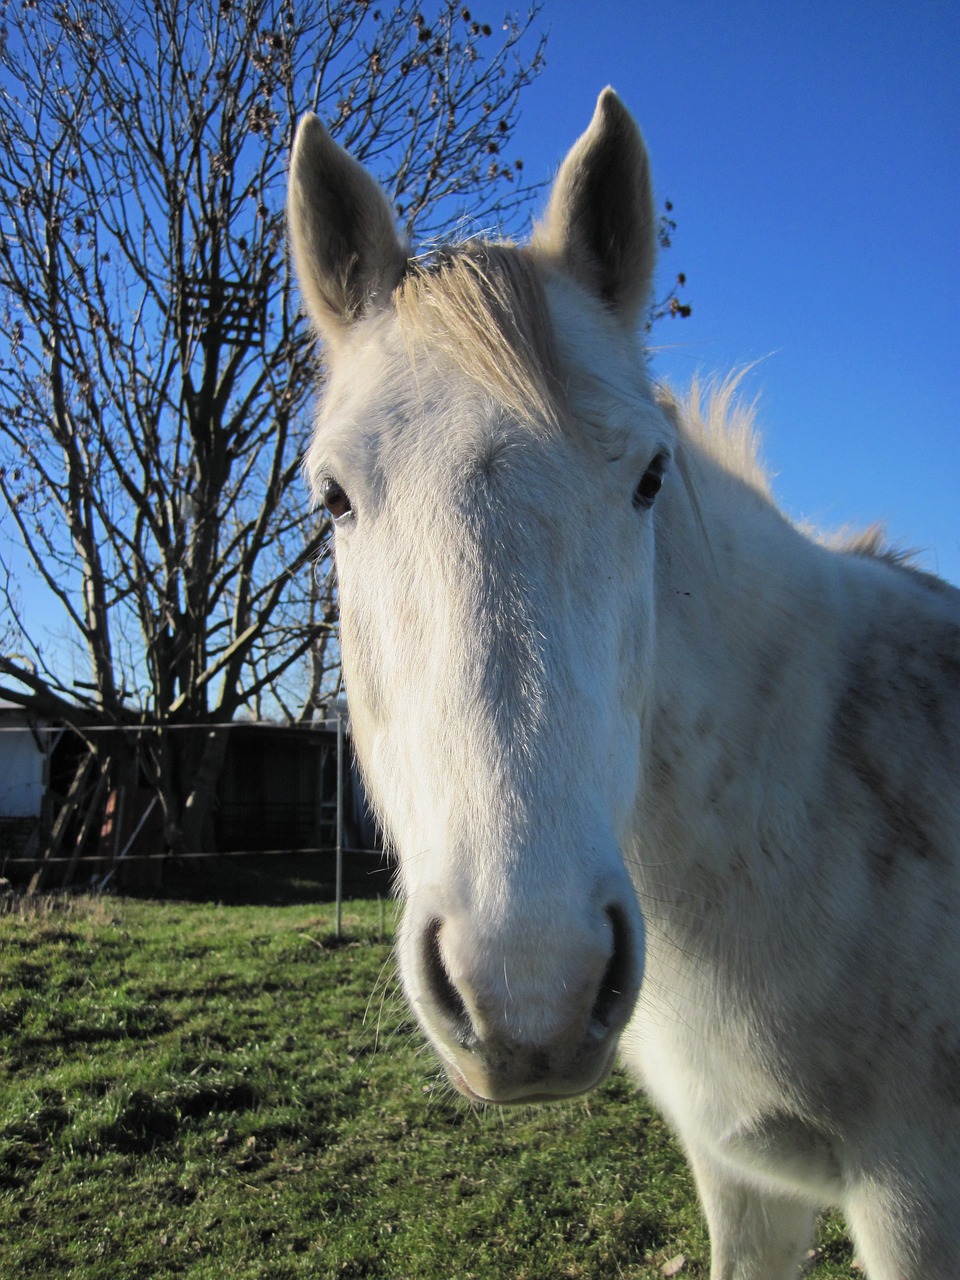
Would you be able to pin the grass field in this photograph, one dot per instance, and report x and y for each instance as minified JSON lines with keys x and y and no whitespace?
{"x":209,"y":1091}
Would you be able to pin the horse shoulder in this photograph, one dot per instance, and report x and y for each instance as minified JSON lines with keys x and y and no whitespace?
{"x":895,"y":732}
{"x":802,"y":926}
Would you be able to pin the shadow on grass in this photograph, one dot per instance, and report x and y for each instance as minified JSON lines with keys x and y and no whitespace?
{"x":271,"y":879}
{"x":254,"y":880}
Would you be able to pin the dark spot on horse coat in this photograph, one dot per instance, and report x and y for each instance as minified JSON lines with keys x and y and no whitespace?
{"x":945,"y":1072}
{"x":722,"y":778}
{"x":704,"y":724}
{"x":894,"y":710}
{"x":845,"y":1094}
{"x":662,"y":770}
{"x":771,"y":665}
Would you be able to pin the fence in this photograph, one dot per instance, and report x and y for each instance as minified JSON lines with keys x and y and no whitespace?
{"x":283,"y":789}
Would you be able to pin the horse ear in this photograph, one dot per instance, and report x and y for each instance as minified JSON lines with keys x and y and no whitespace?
{"x":600,"y":224}
{"x":345,"y":248}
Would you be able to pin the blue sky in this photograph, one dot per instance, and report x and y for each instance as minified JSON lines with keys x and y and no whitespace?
{"x":812,"y":155}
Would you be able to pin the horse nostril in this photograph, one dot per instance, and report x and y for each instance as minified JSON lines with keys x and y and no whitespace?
{"x":441,"y":985}
{"x":618,"y":978}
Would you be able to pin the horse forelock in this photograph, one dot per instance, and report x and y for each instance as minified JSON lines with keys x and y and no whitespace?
{"x":483,"y":307}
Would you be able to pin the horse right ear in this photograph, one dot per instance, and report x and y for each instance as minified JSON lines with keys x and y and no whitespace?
{"x":346,"y":252}
{"x":600,"y":224}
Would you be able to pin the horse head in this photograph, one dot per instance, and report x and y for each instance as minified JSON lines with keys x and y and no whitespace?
{"x":490,"y":454}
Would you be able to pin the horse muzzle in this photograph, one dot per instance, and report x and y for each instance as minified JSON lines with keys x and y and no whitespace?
{"x":532,"y":1018}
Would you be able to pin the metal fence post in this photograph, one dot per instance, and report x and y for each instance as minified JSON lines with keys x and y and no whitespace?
{"x":339,"y":821}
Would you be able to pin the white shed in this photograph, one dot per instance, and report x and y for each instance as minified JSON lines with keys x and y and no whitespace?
{"x":21,"y":763}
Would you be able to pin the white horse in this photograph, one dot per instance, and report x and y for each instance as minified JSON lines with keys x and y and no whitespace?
{"x":661,"y":770}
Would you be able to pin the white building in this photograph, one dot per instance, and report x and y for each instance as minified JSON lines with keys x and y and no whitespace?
{"x":22,"y":759}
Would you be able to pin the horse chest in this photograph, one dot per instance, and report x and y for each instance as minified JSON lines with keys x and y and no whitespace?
{"x":720,"y":1077}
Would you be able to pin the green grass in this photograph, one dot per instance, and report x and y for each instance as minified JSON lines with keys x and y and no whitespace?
{"x":202,"y":1091}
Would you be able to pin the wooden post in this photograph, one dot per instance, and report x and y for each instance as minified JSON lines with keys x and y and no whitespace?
{"x":339,"y":821}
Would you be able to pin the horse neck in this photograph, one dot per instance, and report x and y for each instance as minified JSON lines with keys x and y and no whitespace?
{"x":750,"y":621}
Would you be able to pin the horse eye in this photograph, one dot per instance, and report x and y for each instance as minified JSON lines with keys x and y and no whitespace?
{"x":650,"y":483}
{"x":335,"y":499}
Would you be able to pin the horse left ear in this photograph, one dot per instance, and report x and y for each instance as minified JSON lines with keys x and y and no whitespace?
{"x":600,"y":224}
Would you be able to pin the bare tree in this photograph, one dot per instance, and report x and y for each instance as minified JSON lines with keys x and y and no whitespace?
{"x":670,"y":304}
{"x":154,"y":388}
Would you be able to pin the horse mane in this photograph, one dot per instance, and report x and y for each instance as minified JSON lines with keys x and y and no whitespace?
{"x":723,"y":424}
{"x":872,"y":543}
{"x":725,"y":427}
